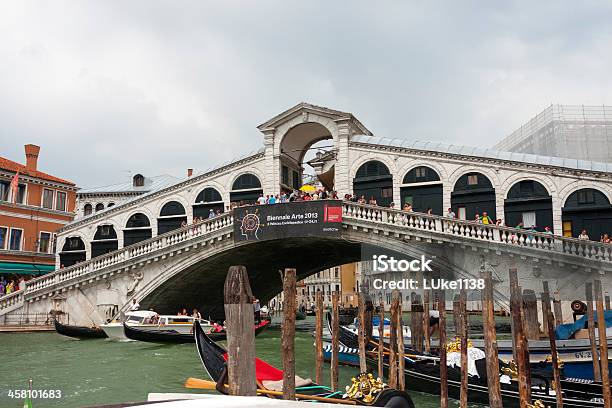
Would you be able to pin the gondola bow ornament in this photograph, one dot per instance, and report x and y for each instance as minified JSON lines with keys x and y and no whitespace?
{"x":365,"y":388}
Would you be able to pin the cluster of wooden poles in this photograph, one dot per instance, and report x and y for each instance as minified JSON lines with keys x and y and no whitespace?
{"x":523,"y":308}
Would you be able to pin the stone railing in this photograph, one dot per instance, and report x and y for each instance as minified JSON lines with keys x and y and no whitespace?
{"x":469,"y":229}
{"x":100,"y":263}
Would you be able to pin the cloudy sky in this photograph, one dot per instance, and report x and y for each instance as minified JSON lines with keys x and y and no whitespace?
{"x":110,"y":88}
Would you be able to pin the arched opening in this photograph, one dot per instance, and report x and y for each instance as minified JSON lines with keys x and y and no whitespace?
{"x":295,"y":148}
{"x":110,"y":205}
{"x":422,"y":188}
{"x":374,"y":180}
{"x":72,"y":252}
{"x":105,"y":241}
{"x":528,"y":202}
{"x":137,"y":228}
{"x":473,"y":194}
{"x":207,"y":200}
{"x":99,"y":207}
{"x":587,"y":209}
{"x":246,"y":189}
{"x":171,"y":217}
{"x":87,"y":209}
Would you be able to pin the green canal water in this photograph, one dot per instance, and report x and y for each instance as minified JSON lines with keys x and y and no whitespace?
{"x":96,"y":372}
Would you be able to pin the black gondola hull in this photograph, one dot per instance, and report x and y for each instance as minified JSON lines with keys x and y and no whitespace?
{"x":79,"y":332}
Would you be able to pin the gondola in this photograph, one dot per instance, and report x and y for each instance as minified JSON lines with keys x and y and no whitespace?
{"x":213,"y":359}
{"x":167,"y":335}
{"x":79,"y":332}
{"x":423,"y":375}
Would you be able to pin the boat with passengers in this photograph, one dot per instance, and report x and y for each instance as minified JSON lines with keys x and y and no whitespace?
{"x":151,"y":321}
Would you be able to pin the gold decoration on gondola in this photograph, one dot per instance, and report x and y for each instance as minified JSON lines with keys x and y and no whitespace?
{"x":364,"y":388}
{"x":511,"y":371}
{"x":560,"y":362}
{"x":536,"y":404}
{"x":455,"y":346}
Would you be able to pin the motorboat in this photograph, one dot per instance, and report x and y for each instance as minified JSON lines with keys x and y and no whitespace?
{"x":148,"y":320}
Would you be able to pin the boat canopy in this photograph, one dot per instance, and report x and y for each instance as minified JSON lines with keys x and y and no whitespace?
{"x":565,"y":331}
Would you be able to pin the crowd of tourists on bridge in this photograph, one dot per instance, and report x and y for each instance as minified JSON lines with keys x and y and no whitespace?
{"x":10,"y":283}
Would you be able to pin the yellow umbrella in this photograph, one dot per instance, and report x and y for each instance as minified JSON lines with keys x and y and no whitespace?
{"x":307,"y":188}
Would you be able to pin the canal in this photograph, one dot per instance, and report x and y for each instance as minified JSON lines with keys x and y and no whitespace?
{"x":96,"y":372}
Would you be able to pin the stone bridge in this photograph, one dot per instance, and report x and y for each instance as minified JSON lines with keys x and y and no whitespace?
{"x":187,"y":266}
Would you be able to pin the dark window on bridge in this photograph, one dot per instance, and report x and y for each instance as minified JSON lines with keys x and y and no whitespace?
{"x":105,"y":241}
{"x":285,"y":175}
{"x":296,"y":180}
{"x":171,"y":217}
{"x":373,"y":180}
{"x":208,"y":199}
{"x":246,"y":181}
{"x":105,"y":232}
{"x":208,"y":195}
{"x":587,"y":209}
{"x":474,"y":192}
{"x":138,"y":220}
{"x":99,"y":207}
{"x":137,"y":228}
{"x":422,"y":196}
{"x":88,"y":209}
{"x":73,"y":244}
{"x":528,"y":202}
{"x":110,"y":205}
{"x":73,"y":252}
{"x":248,"y":189}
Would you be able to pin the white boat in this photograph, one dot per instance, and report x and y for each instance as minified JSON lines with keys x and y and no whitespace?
{"x":149,"y":320}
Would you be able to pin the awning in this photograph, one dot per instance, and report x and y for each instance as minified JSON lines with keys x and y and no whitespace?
{"x":25,"y":268}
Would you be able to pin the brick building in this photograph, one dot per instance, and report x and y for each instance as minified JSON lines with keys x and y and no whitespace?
{"x":28,"y":222}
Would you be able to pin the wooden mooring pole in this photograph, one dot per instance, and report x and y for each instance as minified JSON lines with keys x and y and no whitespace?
{"x":530,"y":311}
{"x":400,"y":344}
{"x":381,"y":339}
{"x":456,"y":315}
{"x":603,"y":345}
{"x":588,"y":287}
{"x":426,"y":328}
{"x":239,"y":321}
{"x":555,"y":359}
{"x":443,"y":366}
{"x":463,"y":336}
{"x":319,"y":338}
{"x":335,"y":340}
{"x":490,"y":341}
{"x":361,"y":331}
{"x":393,"y":342}
{"x":416,"y":326}
{"x":288,"y":333}
{"x":520,"y":342}
{"x":557,"y":309}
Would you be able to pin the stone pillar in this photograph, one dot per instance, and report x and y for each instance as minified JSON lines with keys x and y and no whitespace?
{"x":557,"y":215}
{"x":342,"y":183}
{"x":270,"y":162}
{"x":499,"y":204}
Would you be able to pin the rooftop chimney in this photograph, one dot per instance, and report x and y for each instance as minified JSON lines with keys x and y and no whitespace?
{"x":31,"y":153}
{"x":189,"y":172}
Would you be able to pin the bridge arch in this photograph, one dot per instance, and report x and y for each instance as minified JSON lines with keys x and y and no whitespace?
{"x":105,"y":240}
{"x":209,"y":198}
{"x":422,"y":187}
{"x":587,"y":209}
{"x":529,"y":202}
{"x":72,"y":250}
{"x":473,"y":193}
{"x":246,"y":187}
{"x":172,"y":215}
{"x":137,"y":228}
{"x":87,"y":209}
{"x":373,"y":177}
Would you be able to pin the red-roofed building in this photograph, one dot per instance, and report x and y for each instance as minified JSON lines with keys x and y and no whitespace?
{"x":30,"y":214}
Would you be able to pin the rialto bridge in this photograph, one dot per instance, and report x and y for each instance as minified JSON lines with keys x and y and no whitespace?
{"x":139,"y":249}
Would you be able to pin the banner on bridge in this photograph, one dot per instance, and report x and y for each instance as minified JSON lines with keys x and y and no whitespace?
{"x":295,"y":219}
